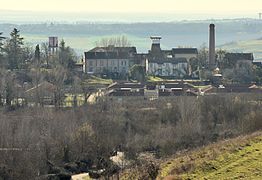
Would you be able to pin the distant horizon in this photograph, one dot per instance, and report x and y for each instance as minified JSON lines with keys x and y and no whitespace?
{"x":136,"y":6}
{"x":26,"y":16}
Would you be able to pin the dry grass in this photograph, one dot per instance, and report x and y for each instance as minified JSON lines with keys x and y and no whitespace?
{"x":239,"y":158}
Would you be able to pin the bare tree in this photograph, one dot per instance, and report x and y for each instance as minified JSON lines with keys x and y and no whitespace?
{"x":118,"y":41}
{"x":1,"y":49}
{"x":45,"y":53}
{"x":58,"y":77}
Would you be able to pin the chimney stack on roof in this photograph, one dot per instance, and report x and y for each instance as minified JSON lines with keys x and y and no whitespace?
{"x":212,"y":46}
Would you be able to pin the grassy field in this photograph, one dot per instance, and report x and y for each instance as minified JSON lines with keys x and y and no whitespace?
{"x":253,"y":46}
{"x":84,"y":42}
{"x":153,"y":79}
{"x":239,"y":158}
{"x":81,"y":43}
{"x":97,"y":80}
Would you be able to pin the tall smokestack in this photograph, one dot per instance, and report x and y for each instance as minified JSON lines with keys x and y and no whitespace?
{"x":212,"y":46}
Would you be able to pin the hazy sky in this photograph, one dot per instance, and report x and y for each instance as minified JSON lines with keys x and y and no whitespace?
{"x":134,"y":6}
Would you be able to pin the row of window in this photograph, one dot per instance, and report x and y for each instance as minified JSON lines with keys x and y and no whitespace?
{"x":180,"y":65}
{"x":112,"y":69}
{"x":175,"y":72}
{"x":104,"y":63}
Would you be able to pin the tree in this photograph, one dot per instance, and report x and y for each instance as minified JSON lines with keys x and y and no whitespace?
{"x":137,"y":72}
{"x":3,"y":83}
{"x":37,"y":53}
{"x":45,"y":48}
{"x":221,"y":58}
{"x":243,"y":72}
{"x":1,"y":39}
{"x":193,"y":65}
{"x":27,"y":56}
{"x":14,"y":50}
{"x":118,"y":41}
{"x":66,"y":56}
{"x":258,"y":74}
{"x":9,"y":89}
{"x":1,"y":48}
{"x":58,"y":75}
{"x":202,"y":56}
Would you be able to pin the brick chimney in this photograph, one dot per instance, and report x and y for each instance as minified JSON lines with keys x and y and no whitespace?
{"x":212,"y":46}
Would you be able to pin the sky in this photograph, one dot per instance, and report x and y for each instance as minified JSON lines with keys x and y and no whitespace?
{"x":34,"y":11}
{"x":136,"y":6}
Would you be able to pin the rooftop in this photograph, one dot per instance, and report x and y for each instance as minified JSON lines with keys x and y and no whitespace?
{"x":112,"y":48}
{"x":184,"y":51}
{"x":111,"y":52}
{"x":163,"y":60}
{"x":239,"y":56}
{"x":155,"y":37}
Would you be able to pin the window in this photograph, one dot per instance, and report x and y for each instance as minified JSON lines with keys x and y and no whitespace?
{"x":159,"y":71}
{"x":90,"y":69}
{"x":101,"y":63}
{"x":151,"y":65}
{"x":90,"y":63}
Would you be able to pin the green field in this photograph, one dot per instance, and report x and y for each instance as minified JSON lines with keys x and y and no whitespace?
{"x":82,"y":43}
{"x":239,"y":158}
{"x":252,"y":46}
{"x":97,"y":80}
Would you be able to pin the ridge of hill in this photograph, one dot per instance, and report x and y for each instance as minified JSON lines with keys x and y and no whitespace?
{"x":83,"y":36}
{"x":253,"y":46}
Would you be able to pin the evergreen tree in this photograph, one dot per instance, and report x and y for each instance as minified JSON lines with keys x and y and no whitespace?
{"x":66,"y":56}
{"x":14,"y":50}
{"x":37,"y":53}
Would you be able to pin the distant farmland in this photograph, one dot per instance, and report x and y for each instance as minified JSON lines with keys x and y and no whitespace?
{"x":254,"y":46}
{"x":235,"y":34}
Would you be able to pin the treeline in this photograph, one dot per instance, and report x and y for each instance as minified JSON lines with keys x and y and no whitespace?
{"x":23,"y":67}
{"x":241,"y":72}
{"x":41,"y":141}
{"x":227,"y":27}
{"x":15,"y":55}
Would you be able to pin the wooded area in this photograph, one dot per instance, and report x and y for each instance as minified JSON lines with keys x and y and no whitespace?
{"x":36,"y":142}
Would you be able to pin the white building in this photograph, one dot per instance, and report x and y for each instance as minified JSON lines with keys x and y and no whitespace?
{"x":109,"y":60}
{"x":169,"y":63}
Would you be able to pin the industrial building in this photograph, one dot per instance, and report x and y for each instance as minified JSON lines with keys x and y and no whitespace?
{"x":169,"y":63}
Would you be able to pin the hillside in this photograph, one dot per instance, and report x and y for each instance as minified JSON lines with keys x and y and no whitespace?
{"x":83,"y":36}
{"x":233,"y":159}
{"x":238,"y":158}
{"x":254,"y":46}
